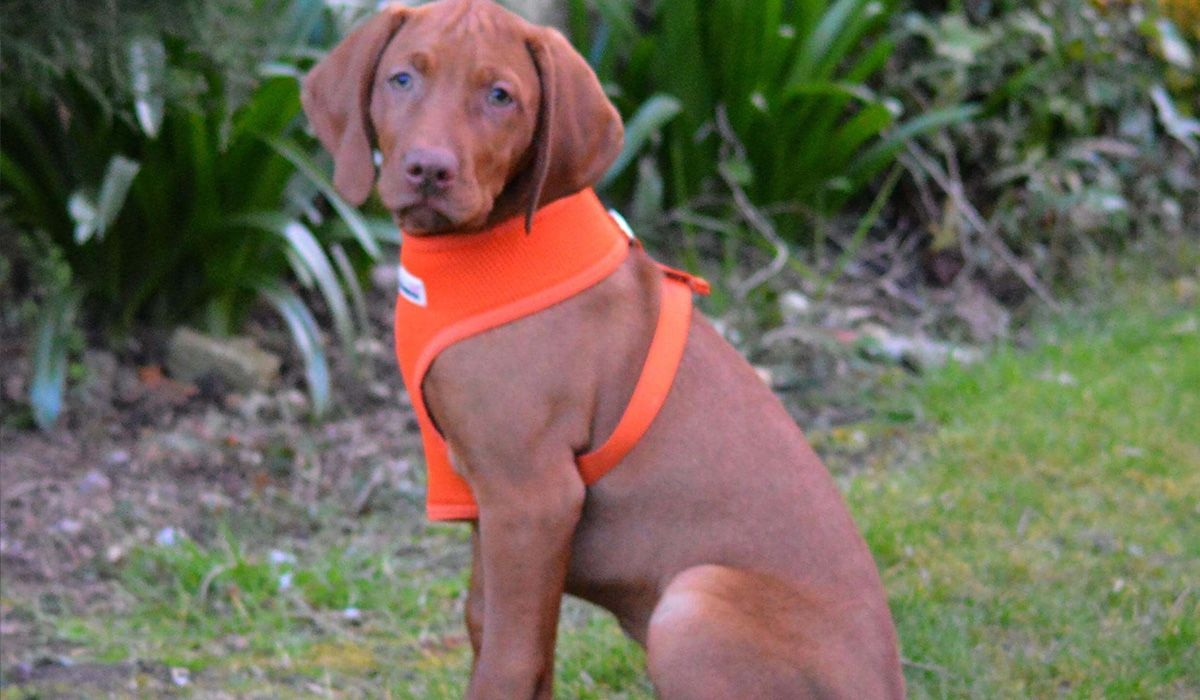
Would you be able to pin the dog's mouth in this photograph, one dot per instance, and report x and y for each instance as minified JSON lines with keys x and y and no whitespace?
{"x":423,"y":217}
{"x":421,"y":214}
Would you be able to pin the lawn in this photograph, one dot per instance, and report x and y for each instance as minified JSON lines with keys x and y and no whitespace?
{"x":1049,"y":543}
{"x":1043,"y":542}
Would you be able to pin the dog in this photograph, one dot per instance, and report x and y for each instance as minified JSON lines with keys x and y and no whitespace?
{"x":600,"y":436}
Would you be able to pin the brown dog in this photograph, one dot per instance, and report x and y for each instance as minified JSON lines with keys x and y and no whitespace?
{"x":719,"y":542}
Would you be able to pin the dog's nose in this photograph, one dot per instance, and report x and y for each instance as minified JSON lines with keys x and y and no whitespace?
{"x":430,"y":170}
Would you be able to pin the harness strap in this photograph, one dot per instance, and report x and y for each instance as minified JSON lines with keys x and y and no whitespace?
{"x":658,"y":373}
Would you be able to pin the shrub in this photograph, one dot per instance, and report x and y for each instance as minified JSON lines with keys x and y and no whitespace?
{"x":164,"y":161}
{"x":793,"y":81}
{"x":1088,"y":138}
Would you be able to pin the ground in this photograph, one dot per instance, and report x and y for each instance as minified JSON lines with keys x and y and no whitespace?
{"x":1033,"y":517}
{"x":139,"y":460}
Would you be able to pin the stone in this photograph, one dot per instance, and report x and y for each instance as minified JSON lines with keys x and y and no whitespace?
{"x":386,"y":277}
{"x":237,"y":362}
{"x":99,"y":379}
{"x":94,"y":483}
{"x":986,"y":319}
{"x":918,"y":352}
{"x":795,"y":307}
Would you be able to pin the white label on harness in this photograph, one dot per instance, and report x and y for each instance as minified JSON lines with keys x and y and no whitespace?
{"x":623,"y":224}
{"x":412,"y":287}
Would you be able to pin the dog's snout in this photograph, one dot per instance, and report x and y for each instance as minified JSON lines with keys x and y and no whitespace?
{"x":430,"y":170}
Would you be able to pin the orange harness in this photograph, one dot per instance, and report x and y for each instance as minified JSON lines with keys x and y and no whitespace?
{"x":455,"y":286}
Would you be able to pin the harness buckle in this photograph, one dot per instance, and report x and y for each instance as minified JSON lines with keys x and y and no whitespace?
{"x":698,"y":285}
{"x":624,"y":226}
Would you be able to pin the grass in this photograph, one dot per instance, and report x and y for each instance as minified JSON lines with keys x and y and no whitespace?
{"x":1045,"y":544}
{"x":1049,"y":544}
{"x":331,"y":617}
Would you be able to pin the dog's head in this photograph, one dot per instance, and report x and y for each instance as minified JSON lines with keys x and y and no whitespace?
{"x":479,"y":116}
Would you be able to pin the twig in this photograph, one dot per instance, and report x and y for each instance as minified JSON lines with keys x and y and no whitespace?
{"x":889,"y":287}
{"x":860,"y":232}
{"x":752,"y":215}
{"x":932,"y":668}
{"x":709,"y":223}
{"x":206,"y":582}
{"x":986,"y":231}
{"x":305,"y":611}
{"x":368,"y":489}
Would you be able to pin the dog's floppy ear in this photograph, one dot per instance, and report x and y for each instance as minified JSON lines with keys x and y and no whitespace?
{"x":579,"y":132}
{"x":336,"y":95}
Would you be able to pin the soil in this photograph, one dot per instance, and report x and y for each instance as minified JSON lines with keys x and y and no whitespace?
{"x":138,"y":457}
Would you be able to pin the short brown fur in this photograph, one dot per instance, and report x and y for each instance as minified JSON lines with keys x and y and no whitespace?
{"x":721,"y":542}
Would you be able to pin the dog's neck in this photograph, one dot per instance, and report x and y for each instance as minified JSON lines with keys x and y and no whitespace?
{"x":472,"y":270}
{"x":573,"y":211}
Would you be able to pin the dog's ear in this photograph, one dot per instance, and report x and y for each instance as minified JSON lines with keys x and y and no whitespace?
{"x":578,"y":133}
{"x":336,"y":95}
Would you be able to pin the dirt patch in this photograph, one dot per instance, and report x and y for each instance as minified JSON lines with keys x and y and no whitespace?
{"x":49,"y":679}
{"x":135,"y":461}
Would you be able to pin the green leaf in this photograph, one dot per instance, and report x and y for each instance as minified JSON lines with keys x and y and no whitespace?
{"x":94,"y":218}
{"x":21,"y":180}
{"x":647,"y":207}
{"x":1183,"y":129}
{"x":358,"y":300}
{"x":649,"y":118}
{"x":305,"y":164}
{"x":870,"y":62}
{"x":51,"y":343}
{"x":148,"y":69}
{"x":1174,"y":47}
{"x":306,"y":336}
{"x":823,"y":47}
{"x":956,"y":40}
{"x":870,"y":122}
{"x":868,"y":220}
{"x":739,"y":170}
{"x":879,"y":155}
{"x":619,"y":15}
{"x":824,"y":88}
{"x":310,"y":262}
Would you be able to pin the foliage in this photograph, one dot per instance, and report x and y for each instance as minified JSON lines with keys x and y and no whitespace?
{"x":1089,"y":135}
{"x":167,"y":173}
{"x":110,"y":49}
{"x":793,"y":80}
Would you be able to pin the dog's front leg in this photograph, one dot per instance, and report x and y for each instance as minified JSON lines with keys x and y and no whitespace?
{"x":528,"y":515}
{"x":473,"y":610}
{"x":513,"y":427}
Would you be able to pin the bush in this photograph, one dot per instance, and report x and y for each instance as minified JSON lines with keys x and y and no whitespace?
{"x":159,"y":154}
{"x":776,"y":97}
{"x":1088,"y":138}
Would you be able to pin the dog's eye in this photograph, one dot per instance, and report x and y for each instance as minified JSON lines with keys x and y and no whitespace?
{"x":500,"y":97}
{"x":402,"y":80}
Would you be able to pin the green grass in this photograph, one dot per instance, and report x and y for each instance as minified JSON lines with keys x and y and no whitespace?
{"x":1049,"y":545}
{"x":326,"y":618}
{"x":1045,"y":544}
